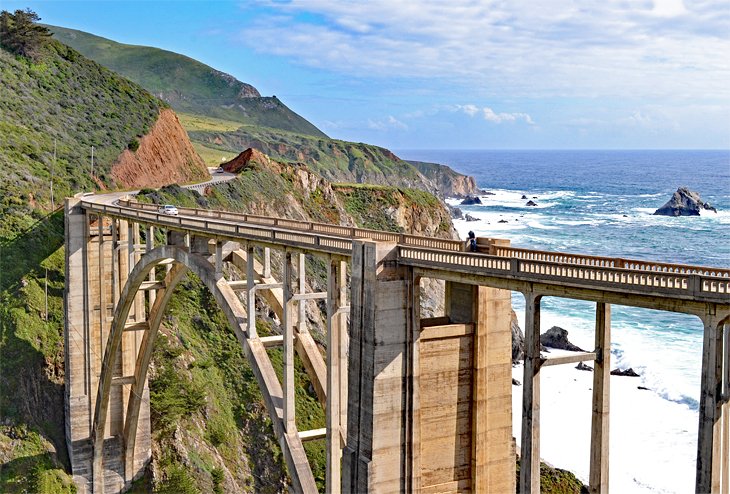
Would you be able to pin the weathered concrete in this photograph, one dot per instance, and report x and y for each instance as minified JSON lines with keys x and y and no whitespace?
{"x":415,"y":388}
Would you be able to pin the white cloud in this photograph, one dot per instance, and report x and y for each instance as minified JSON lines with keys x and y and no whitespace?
{"x":578,"y":49}
{"x":491,"y":116}
{"x":388,"y":123}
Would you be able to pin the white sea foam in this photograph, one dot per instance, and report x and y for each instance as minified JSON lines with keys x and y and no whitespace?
{"x":647,"y":454}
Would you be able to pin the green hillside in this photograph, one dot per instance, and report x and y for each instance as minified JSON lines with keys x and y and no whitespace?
{"x":54,"y":95}
{"x":186,"y":84}
{"x":336,"y":160}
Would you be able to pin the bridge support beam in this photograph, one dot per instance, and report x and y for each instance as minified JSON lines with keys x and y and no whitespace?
{"x":429,"y":401}
{"x":712,"y":442}
{"x":530,"y":444}
{"x":375,"y":458}
{"x":598,"y":476}
{"x":96,"y":269}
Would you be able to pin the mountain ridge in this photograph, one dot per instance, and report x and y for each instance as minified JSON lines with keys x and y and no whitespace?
{"x":186,"y":84}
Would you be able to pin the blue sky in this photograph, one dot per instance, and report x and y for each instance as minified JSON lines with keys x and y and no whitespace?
{"x":480,"y":74}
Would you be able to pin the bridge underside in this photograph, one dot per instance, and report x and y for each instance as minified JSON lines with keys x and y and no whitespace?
{"x":412,"y":404}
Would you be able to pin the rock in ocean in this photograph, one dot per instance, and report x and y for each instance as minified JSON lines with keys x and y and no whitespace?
{"x":557,"y":337}
{"x":684,"y":202}
{"x":469,"y":200}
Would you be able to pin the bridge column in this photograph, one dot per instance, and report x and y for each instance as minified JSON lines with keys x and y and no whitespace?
{"x":79,"y":356}
{"x":530,"y":445}
{"x":336,"y":370}
{"x":712,"y":454}
{"x":482,"y":351}
{"x":288,"y":326}
{"x":375,"y":456}
{"x":598,"y":477}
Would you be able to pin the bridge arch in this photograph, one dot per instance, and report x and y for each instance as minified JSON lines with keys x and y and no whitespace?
{"x":182,"y":261}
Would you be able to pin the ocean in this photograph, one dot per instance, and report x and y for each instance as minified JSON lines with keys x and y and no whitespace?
{"x":601,"y":203}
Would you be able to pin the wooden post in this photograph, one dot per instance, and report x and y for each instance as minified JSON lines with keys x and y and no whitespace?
{"x":287,"y":323}
{"x":251,"y":293}
{"x":598,"y":477}
{"x":335,"y":327}
{"x":530,"y":447}
{"x":708,"y":471}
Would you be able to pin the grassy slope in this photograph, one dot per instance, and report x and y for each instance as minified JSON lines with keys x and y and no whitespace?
{"x":338,"y":161}
{"x":66,"y":97}
{"x":186,"y":84}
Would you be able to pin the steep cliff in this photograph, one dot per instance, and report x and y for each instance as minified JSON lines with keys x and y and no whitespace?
{"x":163,"y":156}
{"x":449,"y":182}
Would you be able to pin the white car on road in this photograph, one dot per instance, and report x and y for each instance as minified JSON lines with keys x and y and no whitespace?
{"x":168,"y":209}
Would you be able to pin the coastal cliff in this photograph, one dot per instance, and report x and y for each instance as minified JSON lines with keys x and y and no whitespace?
{"x":161,"y":157}
{"x":448,"y":182}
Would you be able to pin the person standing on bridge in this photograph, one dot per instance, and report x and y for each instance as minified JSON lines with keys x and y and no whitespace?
{"x":471,"y":242}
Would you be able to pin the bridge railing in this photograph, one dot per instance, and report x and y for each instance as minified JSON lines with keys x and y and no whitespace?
{"x":309,"y":226}
{"x":672,"y":283}
{"x":609,"y":262}
{"x":540,"y":266}
{"x":210,"y":225}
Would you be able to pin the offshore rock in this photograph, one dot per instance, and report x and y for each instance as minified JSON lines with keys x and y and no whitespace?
{"x":627,"y":372}
{"x":469,"y":217}
{"x":531,"y":203}
{"x":583,"y":367}
{"x":684,"y":202}
{"x":557,"y":337}
{"x":470,"y":200}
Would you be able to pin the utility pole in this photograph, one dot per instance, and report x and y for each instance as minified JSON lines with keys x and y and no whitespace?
{"x":46,"y":295}
{"x":53,"y":170}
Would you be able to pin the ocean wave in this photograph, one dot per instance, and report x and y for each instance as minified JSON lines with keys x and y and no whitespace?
{"x":537,"y":224}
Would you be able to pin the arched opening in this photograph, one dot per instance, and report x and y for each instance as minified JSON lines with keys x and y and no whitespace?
{"x":254,"y":350}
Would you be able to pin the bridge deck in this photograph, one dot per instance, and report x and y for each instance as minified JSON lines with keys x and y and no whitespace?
{"x":513,"y":266}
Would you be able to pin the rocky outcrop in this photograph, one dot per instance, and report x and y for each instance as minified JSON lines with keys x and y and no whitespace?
{"x":469,"y":217}
{"x":684,"y":202}
{"x":471,"y":200}
{"x":448,"y":182}
{"x":456,"y":213}
{"x":531,"y":203}
{"x":163,"y":156}
{"x":244,"y":160}
{"x":518,"y":339}
{"x":557,"y":337}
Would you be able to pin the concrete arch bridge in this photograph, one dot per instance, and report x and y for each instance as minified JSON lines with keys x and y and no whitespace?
{"x":412,"y":404}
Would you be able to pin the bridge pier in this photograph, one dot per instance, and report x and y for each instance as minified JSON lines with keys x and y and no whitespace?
{"x":430,"y":405}
{"x":714,"y":424}
{"x":96,"y":271}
